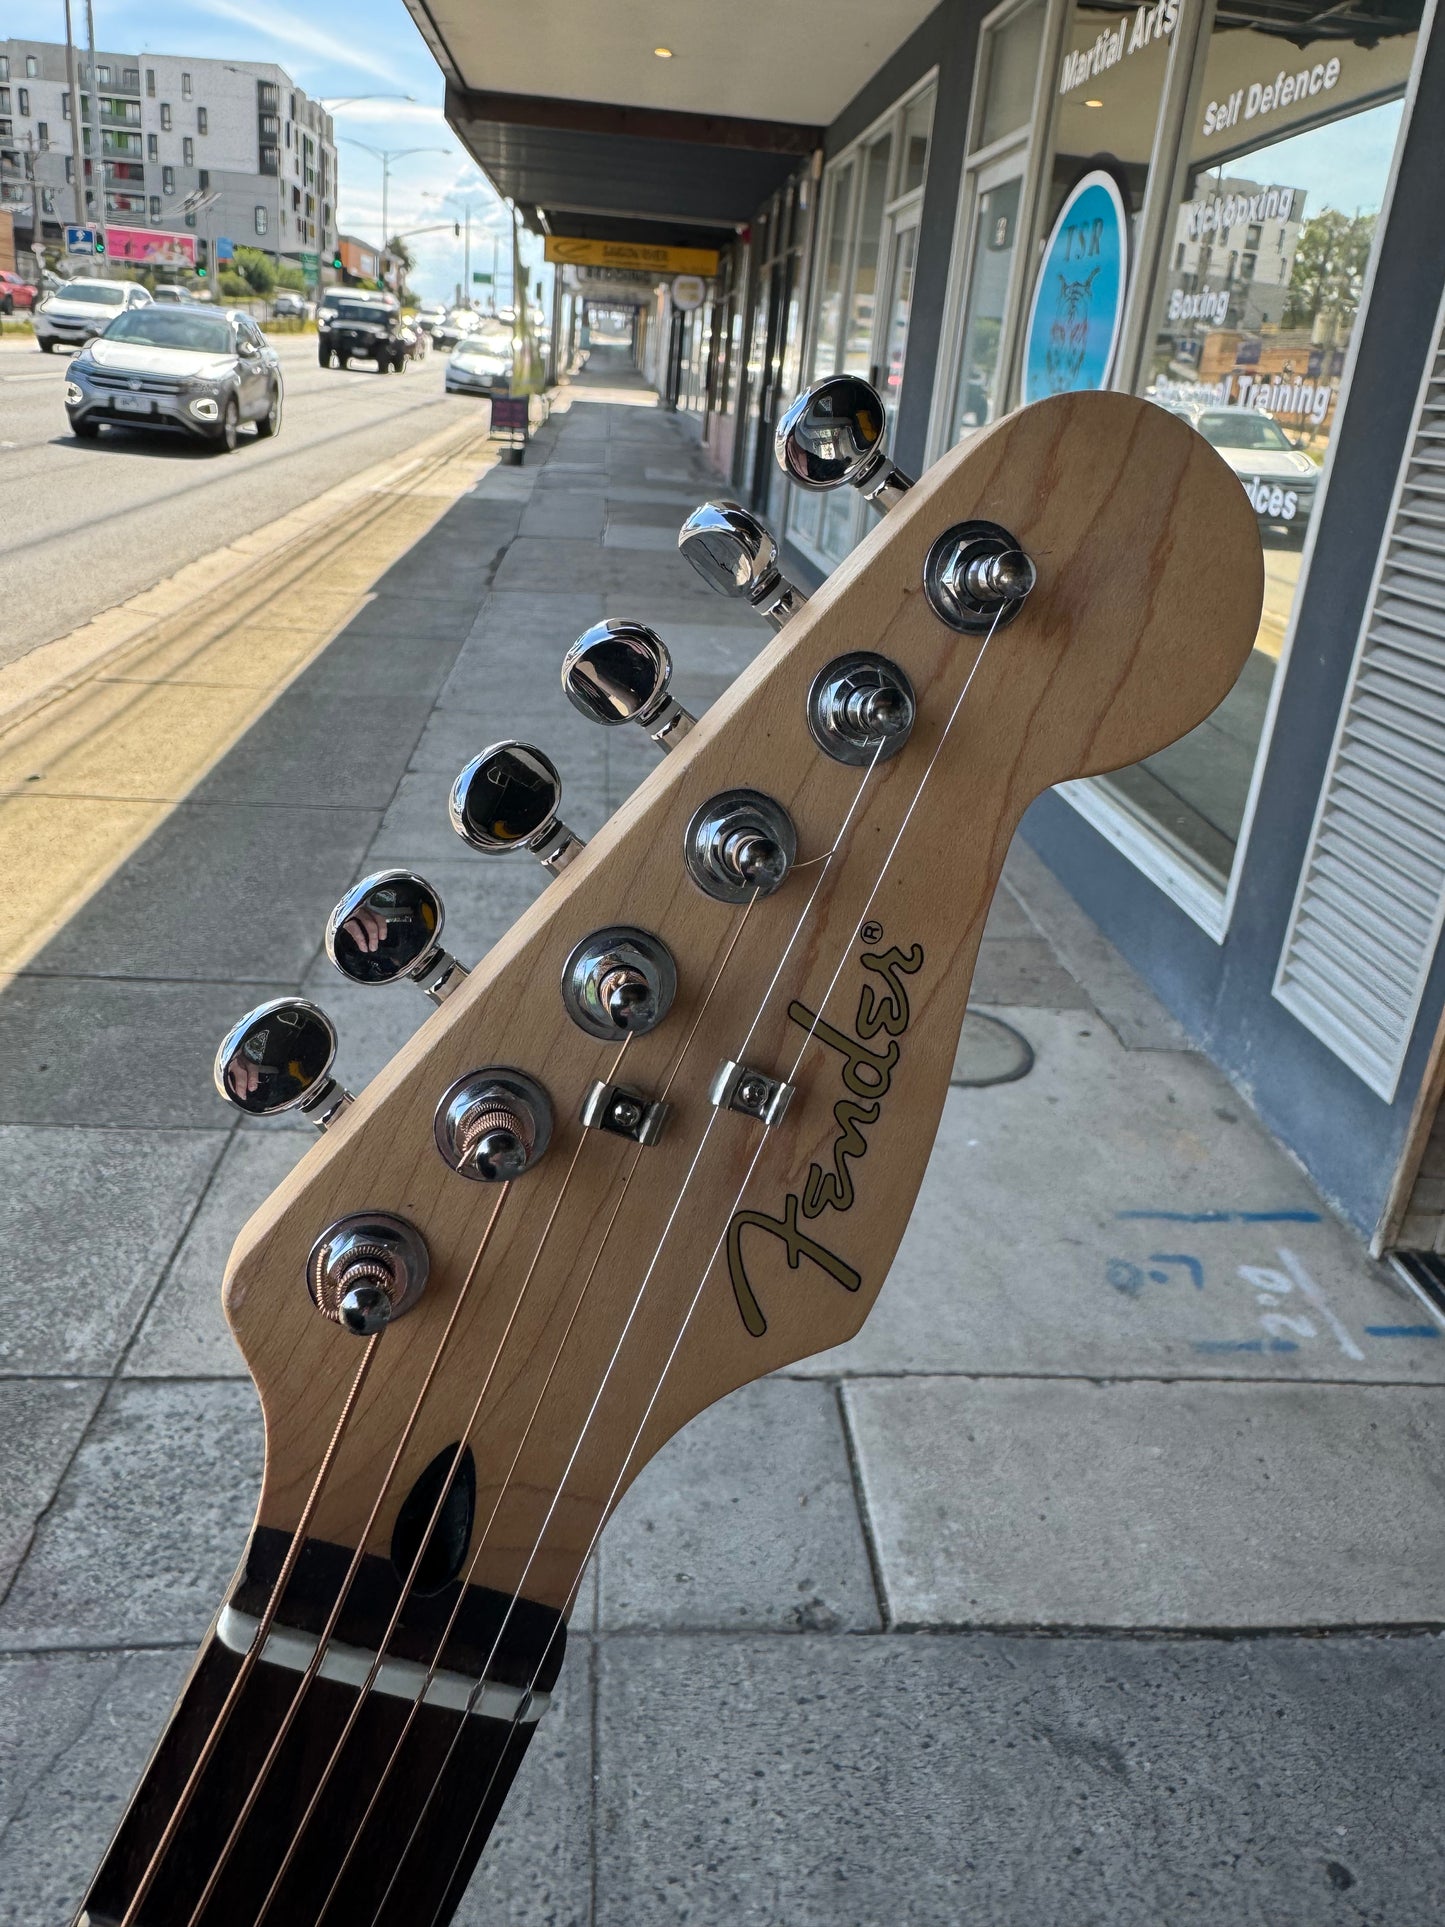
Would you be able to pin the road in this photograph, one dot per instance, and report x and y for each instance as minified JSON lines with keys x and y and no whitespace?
{"x":83,"y":525}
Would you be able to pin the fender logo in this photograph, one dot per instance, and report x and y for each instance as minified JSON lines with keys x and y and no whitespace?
{"x":867,"y":1075}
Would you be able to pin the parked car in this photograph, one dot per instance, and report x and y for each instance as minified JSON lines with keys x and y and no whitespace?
{"x":290,"y":305}
{"x":482,"y":360}
{"x":79,"y":310}
{"x":15,"y":293}
{"x":200,"y":371}
{"x":1279,"y":479}
{"x":364,"y":327}
{"x":431,"y":317}
{"x":170,"y":292}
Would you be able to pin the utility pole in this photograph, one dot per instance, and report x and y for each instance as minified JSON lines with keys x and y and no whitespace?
{"x":97,"y":139}
{"x":77,"y":142}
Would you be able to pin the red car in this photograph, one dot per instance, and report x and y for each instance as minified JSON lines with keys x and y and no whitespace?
{"x":15,"y":293}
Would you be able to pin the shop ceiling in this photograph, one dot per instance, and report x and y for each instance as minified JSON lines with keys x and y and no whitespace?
{"x":569,"y":109}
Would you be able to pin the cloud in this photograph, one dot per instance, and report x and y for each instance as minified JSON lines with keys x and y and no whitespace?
{"x":279,"y":25}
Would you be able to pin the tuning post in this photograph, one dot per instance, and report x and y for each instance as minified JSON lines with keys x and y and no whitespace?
{"x":366,"y":1270}
{"x":740,"y":844}
{"x":619,"y":981}
{"x":493,"y":1124}
{"x":278,"y":1058}
{"x":388,"y":928}
{"x":735,"y":554}
{"x":507,"y":799}
{"x":618,"y":672}
{"x":861,"y":708}
{"x":977,"y":577}
{"x":623,"y":1112}
{"x":744,"y":1088}
{"x":832,"y":437}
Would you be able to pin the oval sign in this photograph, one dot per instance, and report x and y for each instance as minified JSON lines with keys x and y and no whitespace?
{"x":1078,"y":305}
{"x":688,"y":292}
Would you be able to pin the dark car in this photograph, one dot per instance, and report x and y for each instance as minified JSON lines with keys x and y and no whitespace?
{"x":357,"y":327}
{"x":189,"y":368}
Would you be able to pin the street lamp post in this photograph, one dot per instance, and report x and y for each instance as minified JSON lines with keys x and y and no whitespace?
{"x":331,"y":104}
{"x":466,"y":207}
{"x":386,"y":155}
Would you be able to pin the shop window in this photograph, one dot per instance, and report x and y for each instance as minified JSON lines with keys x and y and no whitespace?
{"x":1251,"y":320}
{"x":873,"y":199}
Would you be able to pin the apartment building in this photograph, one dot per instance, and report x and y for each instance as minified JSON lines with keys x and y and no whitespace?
{"x":210,"y":148}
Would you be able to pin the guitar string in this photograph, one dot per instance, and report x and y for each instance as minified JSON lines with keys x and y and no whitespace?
{"x":330,"y":1626}
{"x":263,"y":1630}
{"x":798,"y":928}
{"x":364,"y":1690}
{"x":467,"y":1576}
{"x":706,"y":1273}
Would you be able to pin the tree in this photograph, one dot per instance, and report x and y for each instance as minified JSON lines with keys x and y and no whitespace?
{"x":1328,"y":274}
{"x":256,"y":269}
{"x":405,"y":260}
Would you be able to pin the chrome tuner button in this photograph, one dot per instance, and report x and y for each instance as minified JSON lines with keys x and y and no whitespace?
{"x":278,"y":1058}
{"x":506,"y":799}
{"x":832,"y":436}
{"x":366,"y":1270}
{"x":861,"y":708}
{"x":739,"y":845}
{"x":618,"y":672}
{"x":388,"y":927}
{"x":977,"y":577}
{"x":493,"y":1124}
{"x":617,"y":981}
{"x":736,"y":555}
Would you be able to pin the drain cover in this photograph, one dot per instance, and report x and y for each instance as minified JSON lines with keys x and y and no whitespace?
{"x":990,"y":1052}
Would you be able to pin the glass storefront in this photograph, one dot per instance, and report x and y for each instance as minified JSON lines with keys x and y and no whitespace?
{"x":1246,"y":222}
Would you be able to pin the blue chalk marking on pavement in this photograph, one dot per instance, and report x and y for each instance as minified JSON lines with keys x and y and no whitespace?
{"x":1222,"y":1217}
{"x":1191,"y":1265}
{"x":1212,"y":1346}
{"x":1403,"y":1331}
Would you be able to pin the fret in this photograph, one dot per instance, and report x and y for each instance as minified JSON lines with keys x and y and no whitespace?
{"x":470,"y":1757}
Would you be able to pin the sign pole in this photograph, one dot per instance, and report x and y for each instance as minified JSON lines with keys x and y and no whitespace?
{"x":97,"y":138}
{"x":77,"y":140}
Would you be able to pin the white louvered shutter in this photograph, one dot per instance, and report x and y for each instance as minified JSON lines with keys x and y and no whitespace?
{"x":1369,"y":910}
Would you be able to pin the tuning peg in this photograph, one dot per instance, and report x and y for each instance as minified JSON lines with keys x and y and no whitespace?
{"x":733,"y":552}
{"x":278,"y":1058}
{"x":833,"y":434}
{"x":388,"y":927}
{"x":618,"y":672}
{"x":506,"y":799}
{"x":976,"y":577}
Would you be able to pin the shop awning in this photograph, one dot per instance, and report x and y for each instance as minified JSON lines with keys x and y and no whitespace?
{"x":571,"y":111}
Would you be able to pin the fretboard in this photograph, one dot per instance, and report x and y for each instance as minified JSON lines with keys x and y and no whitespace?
{"x":409,"y":1864}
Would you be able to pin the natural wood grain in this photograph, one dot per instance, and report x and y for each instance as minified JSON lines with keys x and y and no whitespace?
{"x":1150,"y":582}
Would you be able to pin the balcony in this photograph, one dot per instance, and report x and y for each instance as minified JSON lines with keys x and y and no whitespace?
{"x":119,"y":114}
{"x":121,"y":147}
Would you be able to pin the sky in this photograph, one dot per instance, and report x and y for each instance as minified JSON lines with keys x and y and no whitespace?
{"x":334,"y":49}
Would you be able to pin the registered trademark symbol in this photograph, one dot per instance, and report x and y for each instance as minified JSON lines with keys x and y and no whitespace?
{"x":872,"y":932}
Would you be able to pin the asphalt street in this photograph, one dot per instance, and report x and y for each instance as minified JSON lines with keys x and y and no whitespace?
{"x":84,"y":525}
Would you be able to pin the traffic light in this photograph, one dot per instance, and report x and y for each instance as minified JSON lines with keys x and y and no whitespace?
{"x":100,"y":240}
{"x":336,"y":262}
{"x":457,"y":229}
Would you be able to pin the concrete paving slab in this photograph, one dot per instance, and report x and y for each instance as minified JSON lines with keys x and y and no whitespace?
{"x":88,"y":1222}
{"x":659,"y":537}
{"x":235,"y":894}
{"x":577,"y":514}
{"x":1120,"y":1214}
{"x":184,"y":1334}
{"x":1024,"y":971}
{"x":722,"y":648}
{"x":1019,"y":1783}
{"x":41,"y":1421}
{"x":312,"y":750}
{"x":483,"y":896}
{"x":746,"y":1520}
{"x":577,"y":567}
{"x":76,"y":1730}
{"x":1065,"y":1503}
{"x":148,"y":1525}
{"x":117,"y":1053}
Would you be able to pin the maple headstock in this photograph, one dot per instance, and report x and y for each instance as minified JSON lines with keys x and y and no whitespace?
{"x":626,"y":1285}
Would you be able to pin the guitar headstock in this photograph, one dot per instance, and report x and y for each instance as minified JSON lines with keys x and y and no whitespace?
{"x":683,"y":1108}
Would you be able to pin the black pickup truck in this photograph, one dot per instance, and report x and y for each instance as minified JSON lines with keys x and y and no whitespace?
{"x":359,"y":327}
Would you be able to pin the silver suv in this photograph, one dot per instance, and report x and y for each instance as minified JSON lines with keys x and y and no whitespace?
{"x":79,"y":310}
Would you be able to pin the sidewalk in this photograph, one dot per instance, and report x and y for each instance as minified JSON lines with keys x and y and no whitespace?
{"x":1095,"y":1582}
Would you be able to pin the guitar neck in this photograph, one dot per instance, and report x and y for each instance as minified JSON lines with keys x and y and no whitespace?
{"x":440,"y":1766}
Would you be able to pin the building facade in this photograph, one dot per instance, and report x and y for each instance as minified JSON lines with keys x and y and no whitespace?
{"x":209,"y":149}
{"x":1230,"y":207}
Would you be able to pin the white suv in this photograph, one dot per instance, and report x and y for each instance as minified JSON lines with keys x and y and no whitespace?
{"x":77,"y":311}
